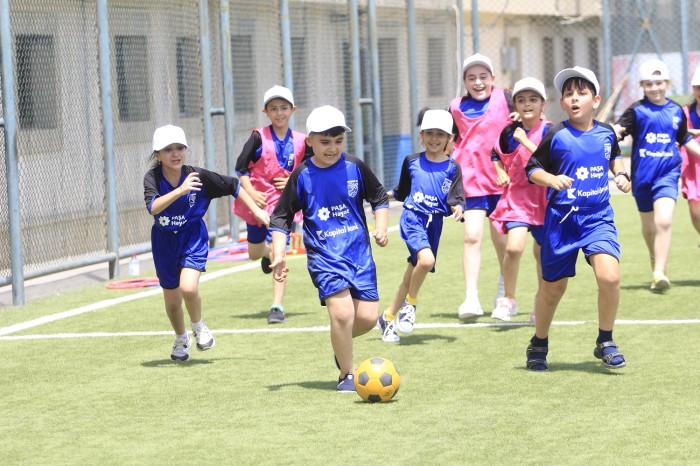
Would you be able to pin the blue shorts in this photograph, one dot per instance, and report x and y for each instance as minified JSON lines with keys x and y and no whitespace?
{"x":259,"y":233}
{"x":174,"y":251}
{"x":330,"y":283}
{"x":589,"y":229}
{"x":536,"y":231}
{"x":665,"y":186}
{"x":487,"y":203}
{"x":420,"y":231}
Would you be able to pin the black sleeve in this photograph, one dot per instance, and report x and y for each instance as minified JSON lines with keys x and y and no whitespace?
{"x":374,"y":193}
{"x":216,"y":184}
{"x":282,"y":217}
{"x":615,"y":151}
{"x":683,"y":136}
{"x":509,"y":99}
{"x":403,"y":189}
{"x":455,"y":196}
{"x":541,"y":158}
{"x":247,"y":156}
{"x":150,"y":187}
{"x":628,"y":120}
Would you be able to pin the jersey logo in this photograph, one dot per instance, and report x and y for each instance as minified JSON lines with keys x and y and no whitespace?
{"x":164,"y":221}
{"x":192,"y":198}
{"x":676,"y":121}
{"x":324,"y":213}
{"x":418,"y":197}
{"x":582,"y":173}
{"x":570,"y":193}
{"x":607,"y":147}
{"x":353,"y":187}
{"x":446,"y":185}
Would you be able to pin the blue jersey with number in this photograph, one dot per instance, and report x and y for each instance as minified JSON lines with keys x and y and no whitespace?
{"x":655,"y":130}
{"x":331,"y":201}
{"x":582,"y":155}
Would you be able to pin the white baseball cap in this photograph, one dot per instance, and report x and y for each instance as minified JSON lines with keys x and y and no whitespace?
{"x":696,"y":77}
{"x":649,"y":67}
{"x":278,"y":92}
{"x":576,"y":72}
{"x":166,"y":135}
{"x":437,"y":119}
{"x":530,"y":84}
{"x":477,"y":59}
{"x":322,"y":119}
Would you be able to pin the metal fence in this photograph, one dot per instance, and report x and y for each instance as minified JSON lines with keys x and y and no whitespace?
{"x":82,"y":95}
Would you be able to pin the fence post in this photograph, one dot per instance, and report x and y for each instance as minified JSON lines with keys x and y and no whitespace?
{"x":209,"y":156}
{"x":684,"y":45}
{"x":378,"y":146}
{"x":227,"y":80}
{"x":475,"y":26}
{"x":357,"y":129}
{"x":108,"y":135}
{"x":12,"y":173}
{"x":460,"y":42}
{"x":413,"y":73}
{"x":286,"y":32}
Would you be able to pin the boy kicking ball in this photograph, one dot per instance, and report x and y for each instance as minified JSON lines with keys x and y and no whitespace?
{"x":572,"y":160}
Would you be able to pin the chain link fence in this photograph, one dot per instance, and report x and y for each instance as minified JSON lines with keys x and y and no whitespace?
{"x":162,"y":60}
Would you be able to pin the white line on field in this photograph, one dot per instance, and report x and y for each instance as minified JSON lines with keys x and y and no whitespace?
{"x":325,"y":328}
{"x":112,"y":302}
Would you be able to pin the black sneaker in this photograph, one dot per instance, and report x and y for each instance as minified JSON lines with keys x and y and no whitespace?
{"x":265,"y":265}
{"x":276,"y":315}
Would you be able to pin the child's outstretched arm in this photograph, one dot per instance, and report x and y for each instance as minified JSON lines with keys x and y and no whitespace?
{"x":557,"y":182}
{"x":191,"y":183}
{"x":257,"y":196}
{"x":621,"y":178}
{"x":693,"y":147}
{"x":260,"y":215}
{"x":381,"y":221}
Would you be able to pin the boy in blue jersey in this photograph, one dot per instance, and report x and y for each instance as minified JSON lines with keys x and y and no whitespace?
{"x":658,"y":126}
{"x":329,"y":188}
{"x":178,"y":196}
{"x":572,"y":161}
{"x":431,"y":187}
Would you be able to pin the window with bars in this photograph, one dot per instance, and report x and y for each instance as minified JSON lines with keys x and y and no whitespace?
{"x":436,"y":62}
{"x":568,"y":57}
{"x":548,"y":58}
{"x":299,"y":72}
{"x":131,"y":59}
{"x":36,"y":81}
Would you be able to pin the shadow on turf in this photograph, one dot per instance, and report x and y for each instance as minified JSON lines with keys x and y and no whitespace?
{"x":674,"y":284}
{"x":309,"y":385}
{"x":592,"y":367}
{"x":262,"y":315}
{"x":170,"y":362}
{"x":422,"y":338}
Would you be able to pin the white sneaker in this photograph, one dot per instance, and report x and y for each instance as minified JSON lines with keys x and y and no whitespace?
{"x":500,"y":291}
{"x":204,"y":338}
{"x":471,"y":307}
{"x":505,"y":308}
{"x":181,"y":349}
{"x":406,"y":318}
{"x":660,"y":282}
{"x":388,"y":328}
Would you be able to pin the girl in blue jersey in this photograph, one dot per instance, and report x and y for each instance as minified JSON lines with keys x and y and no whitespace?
{"x":178,"y":195}
{"x":431,"y":187}
{"x":658,"y":126}
{"x":329,"y":188}
{"x":573,"y":161}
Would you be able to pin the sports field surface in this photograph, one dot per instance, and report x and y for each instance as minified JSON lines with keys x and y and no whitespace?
{"x":87,"y":376}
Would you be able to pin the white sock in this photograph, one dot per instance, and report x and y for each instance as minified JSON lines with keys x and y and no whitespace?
{"x":473,"y":294}
{"x":183,"y":336}
{"x":198,"y":324}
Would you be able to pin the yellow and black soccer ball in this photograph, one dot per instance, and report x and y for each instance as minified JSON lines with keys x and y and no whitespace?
{"x":377,"y":380}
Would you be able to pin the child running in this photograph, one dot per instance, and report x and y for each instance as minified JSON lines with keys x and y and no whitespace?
{"x":480,"y":116}
{"x":657,"y":126}
{"x":572,"y":160}
{"x":178,"y":196}
{"x":431,"y":187}
{"x":264,"y":165}
{"x":522,"y":204}
{"x":690,"y":169}
{"x":329,"y":188}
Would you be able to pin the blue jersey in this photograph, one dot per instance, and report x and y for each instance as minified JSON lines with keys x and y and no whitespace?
{"x":331,"y":201}
{"x":429,"y":187}
{"x":655,"y":130}
{"x":190,"y":209}
{"x":584,"y":156}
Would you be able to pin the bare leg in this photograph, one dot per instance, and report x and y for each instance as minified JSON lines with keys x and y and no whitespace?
{"x":471,"y":256}
{"x":173,"y":308}
{"x":694,"y":207}
{"x":258,"y":250}
{"x":189,"y":287}
{"x":515,"y":245}
{"x":546,"y":304}
{"x":401,"y":293}
{"x":424,"y":264}
{"x":341,"y":311}
{"x":607,"y":274}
